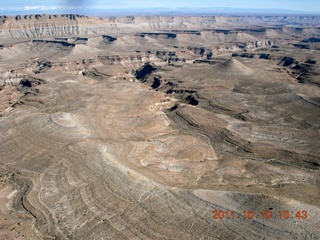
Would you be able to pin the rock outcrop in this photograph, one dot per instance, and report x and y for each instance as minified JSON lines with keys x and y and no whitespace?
{"x":35,"y":26}
{"x":147,"y":127}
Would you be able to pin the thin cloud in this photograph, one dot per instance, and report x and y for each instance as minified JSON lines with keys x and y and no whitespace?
{"x":39,"y":8}
{"x":30,"y":8}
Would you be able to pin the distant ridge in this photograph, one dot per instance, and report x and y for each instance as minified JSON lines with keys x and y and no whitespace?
{"x":53,"y":25}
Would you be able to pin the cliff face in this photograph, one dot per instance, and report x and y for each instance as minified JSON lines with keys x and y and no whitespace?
{"x":30,"y":26}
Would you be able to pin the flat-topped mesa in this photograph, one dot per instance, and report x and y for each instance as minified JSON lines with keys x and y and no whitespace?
{"x":46,"y":25}
{"x":54,"y":25}
{"x":32,"y":26}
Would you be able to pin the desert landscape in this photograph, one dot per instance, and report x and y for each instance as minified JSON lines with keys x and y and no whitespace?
{"x":146,"y":127}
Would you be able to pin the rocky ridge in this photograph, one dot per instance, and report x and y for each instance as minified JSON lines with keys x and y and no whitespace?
{"x":30,"y":26}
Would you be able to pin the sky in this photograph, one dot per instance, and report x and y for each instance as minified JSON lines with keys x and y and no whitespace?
{"x":10,"y":7}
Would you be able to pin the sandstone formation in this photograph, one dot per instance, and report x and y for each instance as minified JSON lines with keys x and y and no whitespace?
{"x":142,"y":127}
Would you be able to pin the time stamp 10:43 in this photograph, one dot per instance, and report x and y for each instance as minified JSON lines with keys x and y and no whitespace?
{"x":264,"y":214}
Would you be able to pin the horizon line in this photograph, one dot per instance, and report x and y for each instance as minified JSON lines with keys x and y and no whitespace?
{"x":101,"y":10}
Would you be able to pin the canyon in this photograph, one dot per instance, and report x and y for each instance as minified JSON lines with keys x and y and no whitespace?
{"x":144,"y":127}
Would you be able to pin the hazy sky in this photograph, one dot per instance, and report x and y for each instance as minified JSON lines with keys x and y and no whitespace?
{"x":65,"y":5}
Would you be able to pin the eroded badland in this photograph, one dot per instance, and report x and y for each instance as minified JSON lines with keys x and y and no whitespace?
{"x":141,"y":127}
